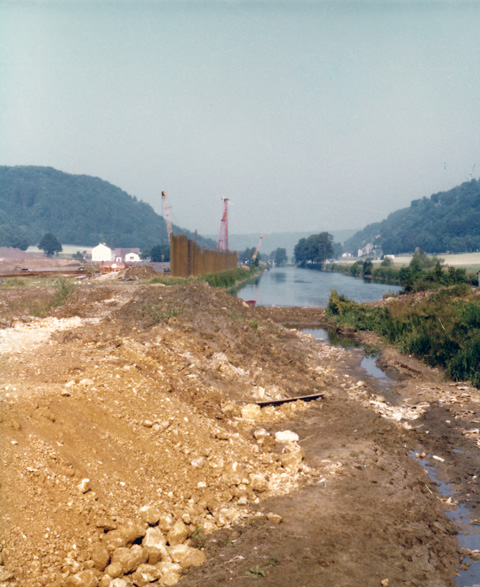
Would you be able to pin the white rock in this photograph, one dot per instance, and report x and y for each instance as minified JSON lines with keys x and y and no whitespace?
{"x":251,"y":412}
{"x":186,"y":556}
{"x":165,"y":522}
{"x":150,"y":514}
{"x":274,"y":518}
{"x":258,"y":482}
{"x":83,"y":579}
{"x":84,"y":485}
{"x":155,"y":546}
{"x":285,"y":436}
{"x":178,"y":534}
{"x":146,"y":574}
{"x":154,"y":537}
{"x":130,"y":558}
{"x":260,"y":433}
{"x":170,"y":574}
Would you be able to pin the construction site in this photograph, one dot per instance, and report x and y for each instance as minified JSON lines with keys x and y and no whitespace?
{"x":159,"y":434}
{"x":145,"y":442}
{"x":187,"y":258}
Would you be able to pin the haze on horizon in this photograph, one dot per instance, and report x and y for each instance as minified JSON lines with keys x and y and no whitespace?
{"x":308,"y":115}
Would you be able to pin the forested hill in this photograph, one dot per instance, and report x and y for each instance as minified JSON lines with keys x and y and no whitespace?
{"x":447,"y":221}
{"x":77,"y":209}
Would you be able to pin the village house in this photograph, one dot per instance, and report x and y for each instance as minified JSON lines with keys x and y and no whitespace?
{"x":127,"y":255}
{"x":101,"y":253}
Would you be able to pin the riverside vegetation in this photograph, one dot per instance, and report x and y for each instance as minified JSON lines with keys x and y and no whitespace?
{"x":423,"y":273}
{"x":441,"y":327}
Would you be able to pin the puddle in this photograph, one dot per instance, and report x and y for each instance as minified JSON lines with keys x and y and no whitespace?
{"x":388,"y":384}
{"x":324,"y":336}
{"x":468,"y":534}
{"x":368,"y":363}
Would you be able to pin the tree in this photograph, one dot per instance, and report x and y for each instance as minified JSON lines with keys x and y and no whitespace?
{"x":160,"y":253}
{"x":246,"y":255}
{"x":50,"y":244}
{"x":315,"y":249}
{"x":279,"y":256}
{"x":13,"y":236}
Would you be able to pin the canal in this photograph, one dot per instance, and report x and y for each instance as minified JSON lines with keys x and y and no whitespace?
{"x":293,"y":286}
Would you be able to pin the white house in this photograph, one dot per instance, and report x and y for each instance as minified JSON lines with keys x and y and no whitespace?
{"x":102,"y":253}
{"x":127,"y":255}
{"x":132,"y":258}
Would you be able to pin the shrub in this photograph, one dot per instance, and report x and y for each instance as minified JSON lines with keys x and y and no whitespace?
{"x":443,"y":330}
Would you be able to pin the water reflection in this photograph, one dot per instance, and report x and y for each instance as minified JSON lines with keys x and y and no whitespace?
{"x":279,"y":277}
{"x":292,"y":286}
{"x":331,"y":337}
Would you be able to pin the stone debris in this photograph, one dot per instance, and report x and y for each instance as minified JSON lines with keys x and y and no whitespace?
{"x":149,"y":401}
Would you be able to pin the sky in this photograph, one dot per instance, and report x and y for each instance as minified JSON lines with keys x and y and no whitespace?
{"x":308,"y":115}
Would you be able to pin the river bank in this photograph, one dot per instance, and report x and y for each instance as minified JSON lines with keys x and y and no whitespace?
{"x":133,"y":448}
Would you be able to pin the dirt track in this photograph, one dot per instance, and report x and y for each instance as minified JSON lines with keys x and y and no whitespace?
{"x":142,"y":397}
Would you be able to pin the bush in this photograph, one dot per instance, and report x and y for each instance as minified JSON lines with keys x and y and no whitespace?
{"x":443,"y":330}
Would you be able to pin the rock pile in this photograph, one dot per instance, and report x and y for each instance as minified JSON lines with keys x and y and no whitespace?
{"x":145,"y":399}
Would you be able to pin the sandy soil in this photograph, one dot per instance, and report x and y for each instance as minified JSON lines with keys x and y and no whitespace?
{"x":133,"y":452}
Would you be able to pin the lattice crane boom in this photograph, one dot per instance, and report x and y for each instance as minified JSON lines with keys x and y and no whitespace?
{"x":222,"y":243}
{"x":166,"y":215}
{"x":257,"y":248}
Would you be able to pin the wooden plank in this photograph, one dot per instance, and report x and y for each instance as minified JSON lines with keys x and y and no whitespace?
{"x":277,"y":402}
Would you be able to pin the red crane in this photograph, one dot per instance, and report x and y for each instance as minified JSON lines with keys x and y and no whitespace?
{"x":222,"y":244}
{"x":166,"y":215}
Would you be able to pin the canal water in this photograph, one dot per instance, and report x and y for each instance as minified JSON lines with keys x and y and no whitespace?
{"x":292,"y":286}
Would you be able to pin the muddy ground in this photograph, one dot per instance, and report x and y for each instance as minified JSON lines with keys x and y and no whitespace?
{"x":133,"y":451}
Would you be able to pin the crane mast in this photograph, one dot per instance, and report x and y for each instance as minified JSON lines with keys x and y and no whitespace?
{"x":166,"y":215}
{"x":257,"y":248}
{"x":222,"y":243}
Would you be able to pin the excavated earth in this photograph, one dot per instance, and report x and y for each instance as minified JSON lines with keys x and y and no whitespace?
{"x":134,"y":451}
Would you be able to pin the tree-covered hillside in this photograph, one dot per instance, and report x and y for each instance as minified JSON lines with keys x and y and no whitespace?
{"x":447,"y":221}
{"x":77,"y":209}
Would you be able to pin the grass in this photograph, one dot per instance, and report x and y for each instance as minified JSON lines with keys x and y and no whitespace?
{"x":158,"y":312}
{"x":34,"y":297}
{"x":231,"y":279}
{"x":443,"y":329}
{"x":256,"y":572}
{"x":198,"y":538}
{"x":63,"y":290}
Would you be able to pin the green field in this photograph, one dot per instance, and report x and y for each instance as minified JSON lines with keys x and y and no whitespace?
{"x":67,"y":250}
{"x":470,"y":261}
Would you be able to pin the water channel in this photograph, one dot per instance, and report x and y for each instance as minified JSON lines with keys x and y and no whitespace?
{"x":292,"y":286}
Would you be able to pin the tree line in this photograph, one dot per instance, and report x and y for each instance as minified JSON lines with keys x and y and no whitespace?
{"x":444,"y":222}
{"x":77,"y":209}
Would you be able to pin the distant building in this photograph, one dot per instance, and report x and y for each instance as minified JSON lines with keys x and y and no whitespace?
{"x":101,"y":253}
{"x":127,"y":255}
{"x":367,"y":249}
{"x":110,"y":266}
{"x":370,"y":250}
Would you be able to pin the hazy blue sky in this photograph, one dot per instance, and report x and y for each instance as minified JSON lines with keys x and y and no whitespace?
{"x":309,"y":115}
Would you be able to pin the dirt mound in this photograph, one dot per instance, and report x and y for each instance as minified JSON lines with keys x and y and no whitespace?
{"x":134,"y":395}
{"x":131,"y":437}
{"x":141,"y":272}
